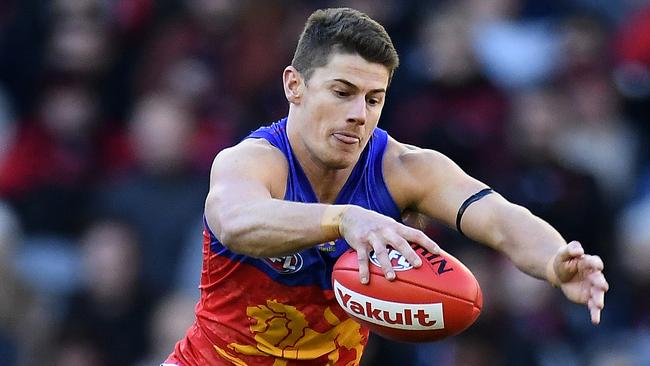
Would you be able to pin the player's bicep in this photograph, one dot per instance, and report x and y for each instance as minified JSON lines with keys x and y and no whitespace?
{"x":439,"y":185}
{"x":241,"y":175}
{"x":463,"y":202}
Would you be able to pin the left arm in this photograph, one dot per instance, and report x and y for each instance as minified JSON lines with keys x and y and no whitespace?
{"x":533,"y":245}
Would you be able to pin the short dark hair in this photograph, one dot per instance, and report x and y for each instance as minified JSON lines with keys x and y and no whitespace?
{"x":342,"y":30}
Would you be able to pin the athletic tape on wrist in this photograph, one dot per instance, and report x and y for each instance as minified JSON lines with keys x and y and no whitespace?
{"x":331,"y":220}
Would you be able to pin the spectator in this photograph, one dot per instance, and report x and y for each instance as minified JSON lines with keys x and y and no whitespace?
{"x":162,"y":195}
{"x":47,"y":170}
{"x":171,"y":317}
{"x":107,"y":318}
{"x":20,"y":306}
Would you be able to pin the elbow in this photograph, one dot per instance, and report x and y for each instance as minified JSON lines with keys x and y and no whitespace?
{"x":249,"y":241}
{"x":238,"y":236}
{"x":228,"y":227}
{"x":235,"y":240}
{"x":230,"y":239}
{"x":239,"y":244}
{"x":233,"y":236}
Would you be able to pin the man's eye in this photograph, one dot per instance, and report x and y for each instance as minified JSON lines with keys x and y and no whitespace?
{"x":373,"y":101}
{"x":341,"y":93}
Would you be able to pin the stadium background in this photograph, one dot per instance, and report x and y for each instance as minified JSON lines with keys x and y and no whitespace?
{"x":112,"y":110}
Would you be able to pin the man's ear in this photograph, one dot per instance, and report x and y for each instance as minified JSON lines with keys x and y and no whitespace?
{"x":293,"y":84}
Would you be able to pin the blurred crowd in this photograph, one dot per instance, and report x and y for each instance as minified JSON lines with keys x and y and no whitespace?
{"x":111,"y":112}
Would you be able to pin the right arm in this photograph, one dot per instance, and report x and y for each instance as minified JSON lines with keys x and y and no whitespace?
{"x":243,"y":213}
{"x":245,"y":209}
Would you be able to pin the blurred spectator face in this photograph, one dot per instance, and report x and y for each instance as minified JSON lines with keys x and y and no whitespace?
{"x":9,"y":233}
{"x":162,"y":131}
{"x":447,"y":52}
{"x":213,"y":15}
{"x":78,"y":353}
{"x":536,"y":117}
{"x":172,"y":318}
{"x":594,"y":99}
{"x":383,"y":11}
{"x":68,"y":112}
{"x":584,"y":42}
{"x":76,"y":8}
{"x":7,"y":125}
{"x":520,"y":293}
{"x":634,"y":241}
{"x":492,"y":10}
{"x":110,"y":259}
{"x":189,"y":79}
{"x":78,"y":47}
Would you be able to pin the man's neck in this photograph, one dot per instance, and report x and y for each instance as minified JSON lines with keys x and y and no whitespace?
{"x":325,"y":181}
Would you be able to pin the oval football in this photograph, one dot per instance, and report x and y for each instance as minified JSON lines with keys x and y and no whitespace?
{"x":440,"y":299}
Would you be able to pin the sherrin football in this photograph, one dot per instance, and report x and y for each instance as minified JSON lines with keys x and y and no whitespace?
{"x":440,"y":299}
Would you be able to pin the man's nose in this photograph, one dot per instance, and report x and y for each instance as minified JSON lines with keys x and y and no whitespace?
{"x":358,"y":111}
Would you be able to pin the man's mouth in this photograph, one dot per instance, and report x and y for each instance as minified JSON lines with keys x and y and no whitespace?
{"x":347,"y":138}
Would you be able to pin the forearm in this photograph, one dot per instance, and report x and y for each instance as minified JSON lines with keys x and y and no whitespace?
{"x":273,"y":227}
{"x":527,"y":240}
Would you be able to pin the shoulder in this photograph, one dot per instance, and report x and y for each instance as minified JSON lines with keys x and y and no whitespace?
{"x":254,"y":159}
{"x":404,"y":159}
{"x":410,"y":171}
{"x":255,"y":150}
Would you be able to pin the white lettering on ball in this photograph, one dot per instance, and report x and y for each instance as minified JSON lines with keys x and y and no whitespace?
{"x":390,"y":314}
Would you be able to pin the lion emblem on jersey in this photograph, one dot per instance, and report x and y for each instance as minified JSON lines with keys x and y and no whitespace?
{"x":283,"y":331}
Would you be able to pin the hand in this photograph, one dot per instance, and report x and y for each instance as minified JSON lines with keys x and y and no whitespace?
{"x":581,"y":278}
{"x":367,"y":230}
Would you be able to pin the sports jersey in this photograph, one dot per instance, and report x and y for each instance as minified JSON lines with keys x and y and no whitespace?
{"x":282,"y":311}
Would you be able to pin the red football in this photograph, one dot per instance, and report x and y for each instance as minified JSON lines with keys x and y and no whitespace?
{"x":440,"y":299}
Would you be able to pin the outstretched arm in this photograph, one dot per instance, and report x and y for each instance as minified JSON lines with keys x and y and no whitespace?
{"x":533,"y":245}
{"x":539,"y":250}
{"x":246,"y":211}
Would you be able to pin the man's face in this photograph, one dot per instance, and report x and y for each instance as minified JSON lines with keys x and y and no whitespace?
{"x":339,"y":108}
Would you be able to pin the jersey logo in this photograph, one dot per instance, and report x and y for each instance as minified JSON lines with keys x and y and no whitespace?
{"x":397,"y":260}
{"x":328,"y":247}
{"x":284,"y":332}
{"x":285,"y":265}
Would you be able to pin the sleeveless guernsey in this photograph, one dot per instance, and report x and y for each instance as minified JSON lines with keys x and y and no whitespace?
{"x":282,"y":311}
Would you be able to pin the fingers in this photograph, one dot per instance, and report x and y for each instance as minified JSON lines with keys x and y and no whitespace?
{"x":568,"y":261}
{"x":596,"y":301}
{"x":598,"y":281}
{"x":595,"y":315}
{"x":418,"y":237}
{"x":403,"y":246}
{"x":569,"y":251}
{"x":593,"y":266}
{"x":362,"y":258}
{"x":590,"y":263}
{"x":381,"y":253}
{"x":378,"y":233}
{"x":379,"y":243}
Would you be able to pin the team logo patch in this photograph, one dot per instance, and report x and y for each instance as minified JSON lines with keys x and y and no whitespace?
{"x":397,"y":260}
{"x":287,"y":264}
{"x":328,"y":247}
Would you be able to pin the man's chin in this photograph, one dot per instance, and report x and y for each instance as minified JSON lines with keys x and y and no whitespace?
{"x":342,"y":162}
